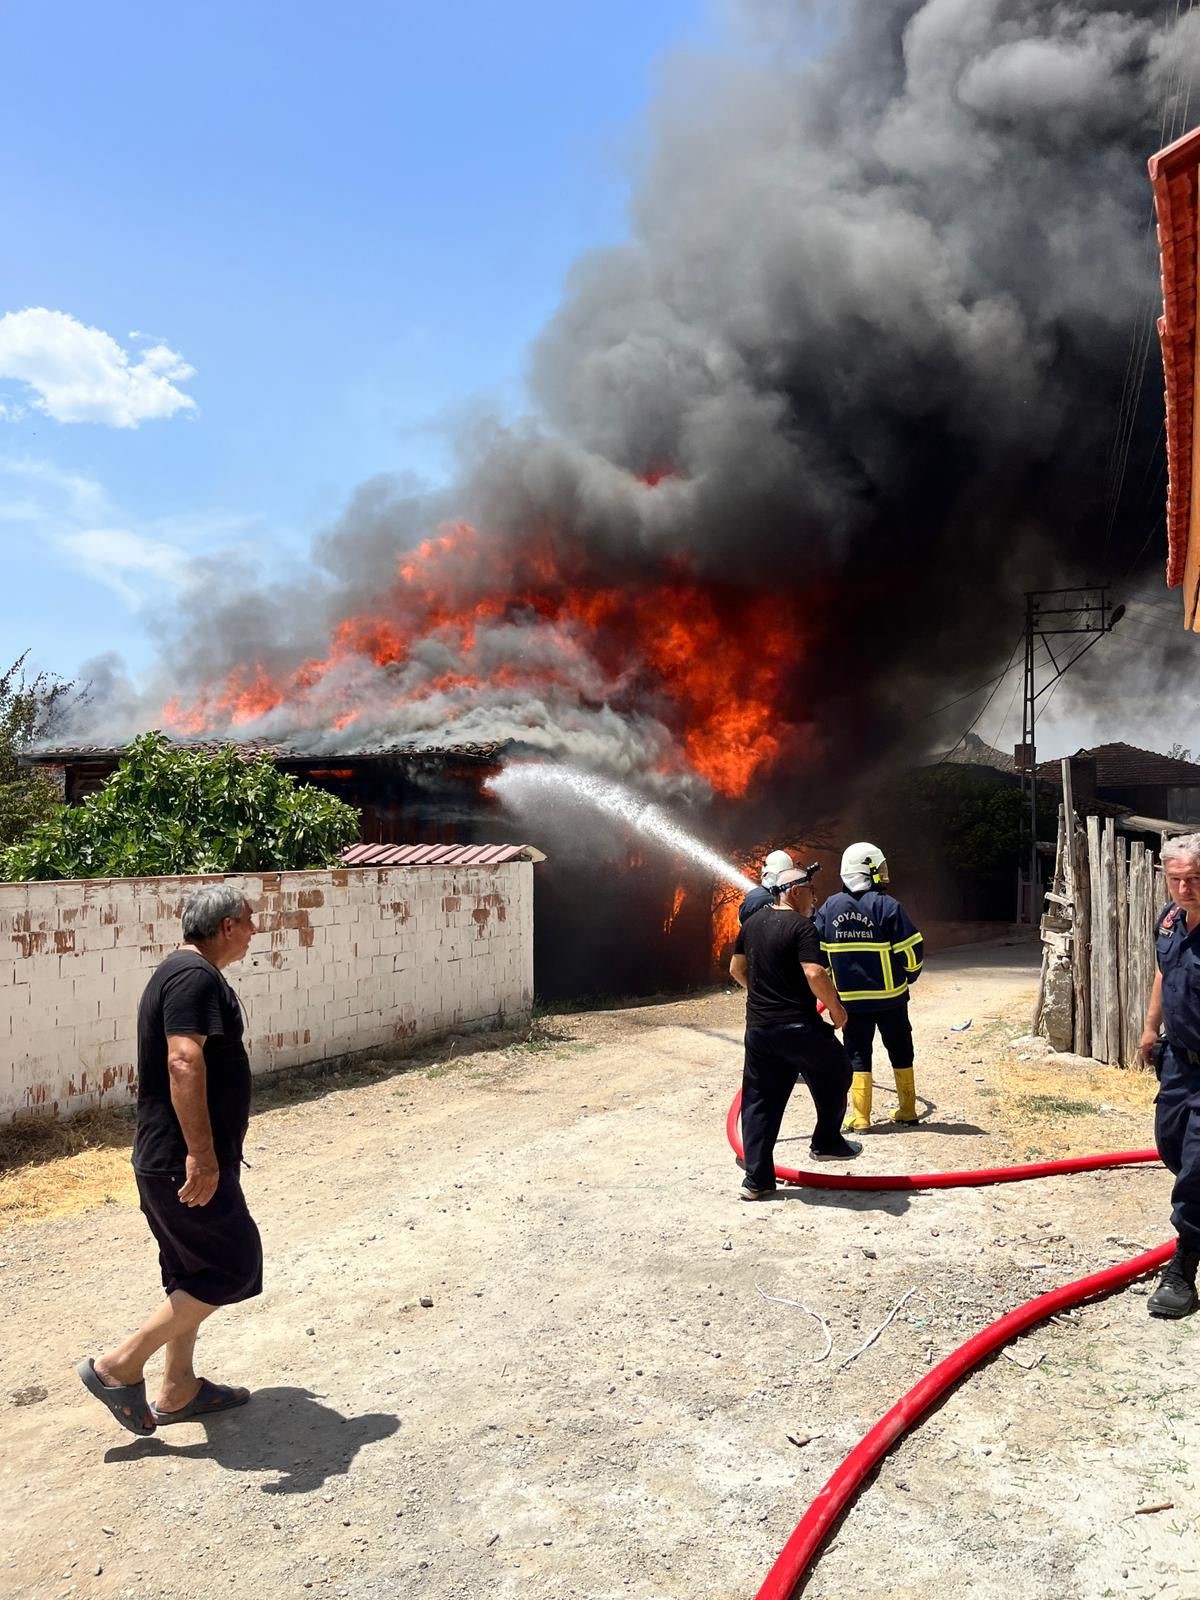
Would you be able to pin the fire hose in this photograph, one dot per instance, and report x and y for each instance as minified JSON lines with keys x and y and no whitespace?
{"x":798,"y":1554}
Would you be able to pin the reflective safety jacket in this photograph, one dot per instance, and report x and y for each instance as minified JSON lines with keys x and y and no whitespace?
{"x":871,"y":948}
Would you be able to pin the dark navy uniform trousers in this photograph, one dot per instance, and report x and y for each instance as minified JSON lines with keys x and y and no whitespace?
{"x":1177,"y":1135}
{"x":895,"y":1030}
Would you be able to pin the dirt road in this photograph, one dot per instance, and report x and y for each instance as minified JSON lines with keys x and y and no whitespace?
{"x":600,"y":1402}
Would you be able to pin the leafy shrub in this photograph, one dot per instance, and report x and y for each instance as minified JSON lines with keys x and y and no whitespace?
{"x":27,"y":705}
{"x":169,"y":809}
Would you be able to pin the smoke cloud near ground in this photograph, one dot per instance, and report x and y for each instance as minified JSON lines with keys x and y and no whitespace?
{"x":876,"y":357}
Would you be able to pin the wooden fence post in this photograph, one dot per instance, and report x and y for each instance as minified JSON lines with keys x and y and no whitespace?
{"x":1139,"y":946}
{"x":1081,"y":952}
{"x":1068,"y":814}
{"x":1099,"y":1049}
{"x":1112,"y":1001}
{"x":1125,"y":990}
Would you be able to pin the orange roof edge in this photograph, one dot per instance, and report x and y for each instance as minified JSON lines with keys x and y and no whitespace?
{"x":1174,"y":176}
{"x":1176,"y":158}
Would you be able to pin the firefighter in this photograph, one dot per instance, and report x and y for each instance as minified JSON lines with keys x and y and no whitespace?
{"x":1175,"y":1008}
{"x":874,"y":953}
{"x":778,"y":861}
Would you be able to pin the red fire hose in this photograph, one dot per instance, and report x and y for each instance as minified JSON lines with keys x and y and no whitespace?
{"x":794,"y":1560}
{"x":939,"y":1180}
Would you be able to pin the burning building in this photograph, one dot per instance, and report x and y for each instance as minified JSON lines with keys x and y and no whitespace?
{"x":662,"y":929}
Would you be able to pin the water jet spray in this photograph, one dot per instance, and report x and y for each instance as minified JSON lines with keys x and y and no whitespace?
{"x":528,"y":781}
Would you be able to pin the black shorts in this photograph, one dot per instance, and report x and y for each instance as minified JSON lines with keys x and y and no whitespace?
{"x":211,"y":1252}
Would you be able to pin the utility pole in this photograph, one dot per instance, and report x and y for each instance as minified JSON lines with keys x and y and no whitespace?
{"x":1050,"y":613}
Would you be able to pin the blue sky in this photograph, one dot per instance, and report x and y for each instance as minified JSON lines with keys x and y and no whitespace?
{"x":273,"y":249}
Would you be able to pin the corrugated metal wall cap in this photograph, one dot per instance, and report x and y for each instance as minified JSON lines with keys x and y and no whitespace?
{"x":438,"y":855}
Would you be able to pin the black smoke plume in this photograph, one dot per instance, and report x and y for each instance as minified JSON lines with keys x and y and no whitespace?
{"x":876,"y":357}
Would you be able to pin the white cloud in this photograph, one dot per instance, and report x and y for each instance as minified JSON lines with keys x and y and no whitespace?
{"x":71,"y":518}
{"x":128,"y":563}
{"x":35,"y":492}
{"x":81,"y":374}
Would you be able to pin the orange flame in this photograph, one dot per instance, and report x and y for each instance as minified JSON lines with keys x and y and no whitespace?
{"x":724,"y":929}
{"x":702,"y":658}
{"x":676,"y":907}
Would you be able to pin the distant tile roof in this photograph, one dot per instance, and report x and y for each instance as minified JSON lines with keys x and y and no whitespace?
{"x":60,"y":755}
{"x":1173,"y":174}
{"x":438,"y":855}
{"x":65,"y":754}
{"x":1121,"y":766}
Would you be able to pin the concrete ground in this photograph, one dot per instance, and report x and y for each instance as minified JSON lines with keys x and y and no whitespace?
{"x":600,"y":1402}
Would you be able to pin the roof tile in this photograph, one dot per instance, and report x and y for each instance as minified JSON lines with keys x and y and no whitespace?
{"x":1124,"y":765}
{"x":439,"y":855}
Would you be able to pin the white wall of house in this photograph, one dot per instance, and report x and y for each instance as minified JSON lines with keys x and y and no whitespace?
{"x":346,"y":960}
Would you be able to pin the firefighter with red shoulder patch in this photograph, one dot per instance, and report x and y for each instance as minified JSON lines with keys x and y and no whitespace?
{"x":875,"y":955}
{"x":1174,"y":1009}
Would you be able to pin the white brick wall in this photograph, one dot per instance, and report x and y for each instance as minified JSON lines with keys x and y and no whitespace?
{"x":345,"y":960}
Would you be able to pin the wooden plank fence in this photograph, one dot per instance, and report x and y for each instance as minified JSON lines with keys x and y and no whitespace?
{"x":1098,"y":939}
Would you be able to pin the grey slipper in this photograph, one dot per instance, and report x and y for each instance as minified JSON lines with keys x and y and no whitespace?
{"x":210,"y":1398}
{"x":127,"y":1402}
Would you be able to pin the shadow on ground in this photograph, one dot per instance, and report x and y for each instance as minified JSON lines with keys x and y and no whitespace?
{"x":892,"y":1202}
{"x":926,"y":1125}
{"x":285,"y":1431}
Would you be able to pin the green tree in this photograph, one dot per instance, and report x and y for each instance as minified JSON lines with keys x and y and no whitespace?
{"x":958,"y":833}
{"x":27,"y":708}
{"x":170,"y":810}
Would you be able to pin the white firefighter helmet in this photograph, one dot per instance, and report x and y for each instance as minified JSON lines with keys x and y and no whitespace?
{"x":864,"y":866}
{"x":778,"y":861}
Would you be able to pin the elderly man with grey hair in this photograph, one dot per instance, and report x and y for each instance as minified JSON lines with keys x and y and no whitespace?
{"x":192,"y":1114}
{"x":1171,"y":1043}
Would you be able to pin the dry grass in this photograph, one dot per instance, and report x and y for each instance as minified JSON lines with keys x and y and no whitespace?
{"x":56,"y":1169}
{"x":1050,"y":1105}
{"x":1069,"y":1077}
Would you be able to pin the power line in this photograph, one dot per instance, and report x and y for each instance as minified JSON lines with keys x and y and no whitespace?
{"x":978,"y":689}
{"x":1082,"y":651}
{"x":1123,"y":640}
{"x":1049,"y":615}
{"x":1152,"y":627}
{"x":1012,"y":700}
{"x":971,"y":726}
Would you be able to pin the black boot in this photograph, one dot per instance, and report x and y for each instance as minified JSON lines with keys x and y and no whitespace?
{"x":1176,"y":1292}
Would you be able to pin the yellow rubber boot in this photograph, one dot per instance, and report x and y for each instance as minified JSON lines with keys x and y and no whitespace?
{"x":906,"y":1088}
{"x":859,"y":1117}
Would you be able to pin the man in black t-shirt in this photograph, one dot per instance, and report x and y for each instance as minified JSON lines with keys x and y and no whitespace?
{"x":193,"y":1111}
{"x":777,"y":960}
